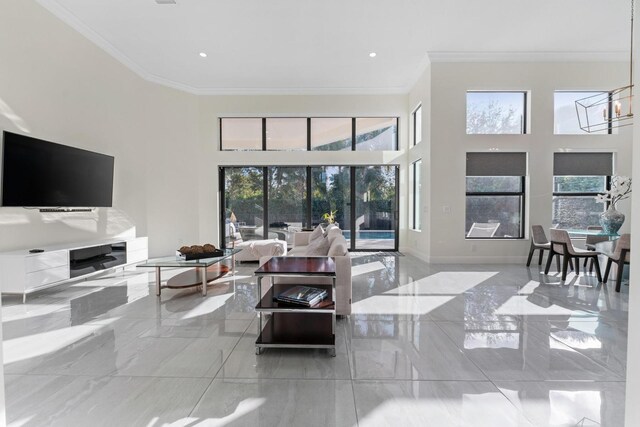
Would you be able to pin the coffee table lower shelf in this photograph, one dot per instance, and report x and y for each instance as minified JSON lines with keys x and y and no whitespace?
{"x":297,"y":330}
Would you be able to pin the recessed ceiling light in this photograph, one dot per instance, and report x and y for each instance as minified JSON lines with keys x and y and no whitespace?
{"x":372,"y":54}
{"x":202,"y":54}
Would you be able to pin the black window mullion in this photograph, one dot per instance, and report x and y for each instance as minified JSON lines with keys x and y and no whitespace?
{"x":264,"y":134}
{"x":265,"y":202}
{"x":352,"y":189}
{"x":309,"y":205}
{"x":353,"y":134}
{"x":223,"y":217}
{"x":522,"y":208}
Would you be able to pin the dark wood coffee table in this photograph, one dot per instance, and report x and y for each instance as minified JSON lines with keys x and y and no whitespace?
{"x":297,"y":326}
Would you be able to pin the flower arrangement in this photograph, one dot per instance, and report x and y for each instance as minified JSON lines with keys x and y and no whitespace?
{"x":330,"y":217}
{"x":620,"y":190}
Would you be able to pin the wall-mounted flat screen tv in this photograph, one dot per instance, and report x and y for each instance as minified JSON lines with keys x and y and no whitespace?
{"x":37,"y":173}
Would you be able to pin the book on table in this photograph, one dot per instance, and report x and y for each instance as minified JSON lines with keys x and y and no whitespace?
{"x":302,"y":295}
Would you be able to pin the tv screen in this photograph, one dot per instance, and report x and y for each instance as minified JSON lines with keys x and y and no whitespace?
{"x":39,"y":173}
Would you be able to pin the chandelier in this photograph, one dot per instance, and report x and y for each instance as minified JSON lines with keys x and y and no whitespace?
{"x":607,"y":110}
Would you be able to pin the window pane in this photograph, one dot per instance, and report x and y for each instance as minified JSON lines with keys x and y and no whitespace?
{"x":287,"y":134}
{"x":375,"y":207}
{"x":417,"y":187}
{"x":243,"y":204}
{"x":287,"y":201}
{"x":376,"y":134}
{"x":502,"y":210}
{"x":576,"y":211}
{"x":565,"y":115}
{"x":331,"y":191}
{"x":579,"y":184}
{"x":241,"y":134}
{"x":494,"y":184}
{"x":331,"y":134}
{"x":417,"y":125}
{"x":495,"y":112}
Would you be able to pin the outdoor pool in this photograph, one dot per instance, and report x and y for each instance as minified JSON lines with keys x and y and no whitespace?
{"x":371,"y":234}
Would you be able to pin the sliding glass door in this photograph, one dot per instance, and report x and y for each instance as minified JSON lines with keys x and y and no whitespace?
{"x":286,"y":200}
{"x":277,"y":201}
{"x":376,"y":207}
{"x":243,"y":208}
{"x":331,"y":192}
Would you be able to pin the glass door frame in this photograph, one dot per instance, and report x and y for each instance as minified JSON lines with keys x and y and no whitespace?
{"x":308,"y":202}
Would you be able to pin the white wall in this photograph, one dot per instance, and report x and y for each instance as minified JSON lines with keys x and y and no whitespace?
{"x":63,"y":88}
{"x":449,"y":143}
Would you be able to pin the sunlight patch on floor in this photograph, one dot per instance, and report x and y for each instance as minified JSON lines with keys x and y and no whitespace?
{"x":207,"y":306}
{"x":369,"y":267}
{"x":383,"y":304}
{"x":445,"y":282}
{"x":27,"y":347}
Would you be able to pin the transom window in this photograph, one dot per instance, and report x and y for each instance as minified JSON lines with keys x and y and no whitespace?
{"x":309,"y":133}
{"x":416,"y":118}
{"x":490,"y":112}
{"x":565,"y":118}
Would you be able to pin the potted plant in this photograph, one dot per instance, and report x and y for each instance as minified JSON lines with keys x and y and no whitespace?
{"x":329,"y":217}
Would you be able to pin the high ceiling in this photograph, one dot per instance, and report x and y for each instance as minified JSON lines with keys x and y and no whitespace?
{"x":323,"y":46}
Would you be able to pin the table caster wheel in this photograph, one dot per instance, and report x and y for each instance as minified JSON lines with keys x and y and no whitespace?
{"x":333,"y":352}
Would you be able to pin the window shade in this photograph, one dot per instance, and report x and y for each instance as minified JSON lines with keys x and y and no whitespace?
{"x":496,"y":164}
{"x":589,"y":164}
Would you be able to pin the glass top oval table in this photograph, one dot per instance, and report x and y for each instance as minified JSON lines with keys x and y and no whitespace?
{"x":199,"y":275}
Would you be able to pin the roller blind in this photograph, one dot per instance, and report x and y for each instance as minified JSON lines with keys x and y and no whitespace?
{"x":496,"y":164}
{"x":589,"y":164}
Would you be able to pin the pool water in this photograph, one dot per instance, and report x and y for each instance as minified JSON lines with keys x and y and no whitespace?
{"x":373,"y":234}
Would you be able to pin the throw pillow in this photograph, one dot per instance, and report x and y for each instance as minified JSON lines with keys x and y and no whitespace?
{"x":317,"y":233}
{"x":338,"y":247}
{"x":333,"y":233}
{"x":319,"y":247}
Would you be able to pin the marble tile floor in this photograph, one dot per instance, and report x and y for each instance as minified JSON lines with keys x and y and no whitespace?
{"x":426,"y":345}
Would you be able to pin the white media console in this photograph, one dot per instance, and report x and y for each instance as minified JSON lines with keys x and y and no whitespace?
{"x":22,"y":272}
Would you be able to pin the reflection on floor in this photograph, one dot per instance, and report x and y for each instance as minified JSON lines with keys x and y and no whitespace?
{"x":426,"y":345}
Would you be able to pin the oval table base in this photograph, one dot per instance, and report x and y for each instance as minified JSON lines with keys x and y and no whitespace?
{"x":193,"y":277}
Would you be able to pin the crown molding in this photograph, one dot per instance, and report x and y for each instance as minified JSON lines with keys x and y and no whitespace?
{"x":617,"y":56}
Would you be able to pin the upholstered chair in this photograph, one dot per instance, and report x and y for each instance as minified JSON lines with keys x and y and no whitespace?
{"x":621,"y":255}
{"x":590,"y":242}
{"x":561,"y":245}
{"x":539,"y":241}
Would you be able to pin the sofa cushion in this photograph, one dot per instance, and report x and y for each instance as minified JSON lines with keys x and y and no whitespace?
{"x":319,"y":247}
{"x":317,"y":233}
{"x":338,"y":247}
{"x":298,"y":251}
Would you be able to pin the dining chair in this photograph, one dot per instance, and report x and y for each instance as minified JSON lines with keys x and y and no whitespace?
{"x":590,"y":243}
{"x":539,"y":241}
{"x":621,"y":255}
{"x":561,"y":245}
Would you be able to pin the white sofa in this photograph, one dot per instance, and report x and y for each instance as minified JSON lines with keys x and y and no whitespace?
{"x":340,"y":254}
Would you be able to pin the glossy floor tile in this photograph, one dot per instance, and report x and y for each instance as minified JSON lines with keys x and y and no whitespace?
{"x":559,"y":403}
{"x":426,"y":344}
{"x":434,"y":403}
{"x":276,"y":403}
